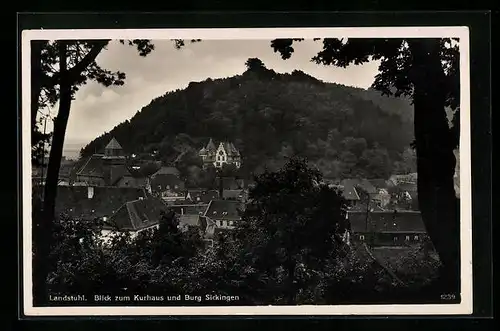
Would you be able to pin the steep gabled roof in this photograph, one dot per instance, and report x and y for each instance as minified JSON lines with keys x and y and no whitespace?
{"x":367,"y":186}
{"x":210,"y":146}
{"x":230,"y":148}
{"x":92,"y":167}
{"x":349,"y":191}
{"x":113,"y":144}
{"x":138,"y":214}
{"x":223,"y":210}
{"x":163,"y":181}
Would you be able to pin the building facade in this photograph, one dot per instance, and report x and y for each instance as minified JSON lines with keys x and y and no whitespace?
{"x":387,"y":228}
{"x":219,"y":155}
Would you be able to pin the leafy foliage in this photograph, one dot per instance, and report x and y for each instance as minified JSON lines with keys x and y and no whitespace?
{"x":286,"y":250}
{"x":396,"y":71}
{"x":271,"y":117}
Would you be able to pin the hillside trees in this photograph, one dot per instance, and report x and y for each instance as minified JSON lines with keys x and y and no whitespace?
{"x":427,"y":71}
{"x":294,"y":114}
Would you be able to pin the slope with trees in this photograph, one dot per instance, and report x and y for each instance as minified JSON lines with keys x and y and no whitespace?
{"x":270,"y":117}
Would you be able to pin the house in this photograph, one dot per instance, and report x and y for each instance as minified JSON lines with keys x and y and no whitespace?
{"x":108,"y":169}
{"x":387,"y":228}
{"x":88,"y":202}
{"x":349,"y":193}
{"x":134,"y":217}
{"x":201,"y":196}
{"x":189,"y":214}
{"x":220,"y":154}
{"x":220,"y":215}
{"x":406,"y":178}
{"x":168,"y":186}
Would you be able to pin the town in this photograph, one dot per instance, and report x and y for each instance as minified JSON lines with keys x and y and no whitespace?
{"x":383,"y":212}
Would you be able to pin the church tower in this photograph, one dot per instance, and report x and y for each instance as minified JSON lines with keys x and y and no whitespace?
{"x":113,"y":162}
{"x":114,"y":151}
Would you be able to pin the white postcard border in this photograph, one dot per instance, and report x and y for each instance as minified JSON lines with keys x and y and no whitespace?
{"x":465,"y":307}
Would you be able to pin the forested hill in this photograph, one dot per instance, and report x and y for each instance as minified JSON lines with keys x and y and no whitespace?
{"x":346,"y":131}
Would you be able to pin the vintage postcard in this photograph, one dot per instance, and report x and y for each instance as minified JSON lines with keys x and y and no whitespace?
{"x":246,"y":172}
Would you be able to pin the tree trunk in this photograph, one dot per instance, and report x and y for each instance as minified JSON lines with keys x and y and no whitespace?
{"x":36,"y":78}
{"x":50,"y":190}
{"x":435,"y":159}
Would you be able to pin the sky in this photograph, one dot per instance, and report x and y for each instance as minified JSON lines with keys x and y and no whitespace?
{"x":97,"y":109}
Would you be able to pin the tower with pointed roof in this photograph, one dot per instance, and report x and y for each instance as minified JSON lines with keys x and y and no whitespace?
{"x":113,"y":150}
{"x":113,"y":162}
{"x":220,"y":154}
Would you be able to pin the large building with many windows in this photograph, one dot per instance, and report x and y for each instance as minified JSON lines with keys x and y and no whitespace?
{"x":220,"y":154}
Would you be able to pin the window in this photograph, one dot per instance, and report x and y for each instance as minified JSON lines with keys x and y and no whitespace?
{"x":395,"y":239}
{"x":407,"y":238}
{"x":361,"y":237}
{"x":221,"y":153}
{"x":415,"y":238}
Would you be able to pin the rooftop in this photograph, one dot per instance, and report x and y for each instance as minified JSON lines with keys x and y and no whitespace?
{"x":92,"y":202}
{"x":387,"y":221}
{"x":167,"y":171}
{"x":223,"y":210}
{"x":113,"y":144}
{"x":138,"y":214}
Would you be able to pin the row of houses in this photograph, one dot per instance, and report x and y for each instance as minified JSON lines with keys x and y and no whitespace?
{"x":381,"y":194}
{"x":135,"y":210}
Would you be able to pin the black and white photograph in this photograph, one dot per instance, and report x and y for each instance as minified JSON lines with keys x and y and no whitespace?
{"x":319,"y":171}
